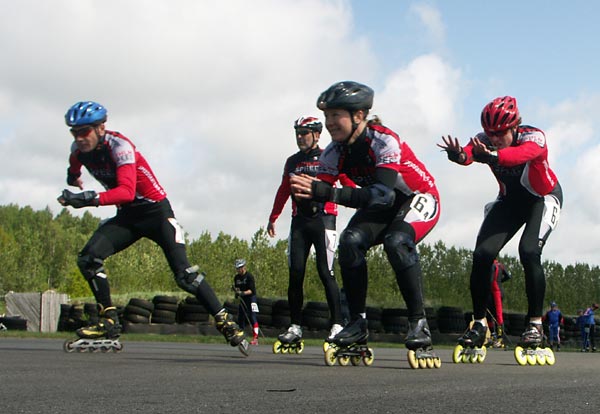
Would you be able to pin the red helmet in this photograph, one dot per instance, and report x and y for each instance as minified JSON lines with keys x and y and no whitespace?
{"x":500,"y":114}
{"x":308,"y":122}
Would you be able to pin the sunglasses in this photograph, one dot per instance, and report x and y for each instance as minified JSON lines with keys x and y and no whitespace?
{"x":303,"y":132}
{"x":81,"y":132}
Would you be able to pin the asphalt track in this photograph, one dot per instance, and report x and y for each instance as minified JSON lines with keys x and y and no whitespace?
{"x":37,"y":376}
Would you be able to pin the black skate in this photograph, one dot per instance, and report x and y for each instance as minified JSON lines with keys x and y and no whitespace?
{"x":418,"y":342}
{"x":471,"y":346}
{"x":350,"y":345}
{"x":232,"y":332}
{"x":532,"y":350}
{"x":289,"y":341}
{"x":102,"y":336}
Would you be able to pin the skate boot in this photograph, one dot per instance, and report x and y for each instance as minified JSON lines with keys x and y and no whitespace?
{"x":335,"y":329}
{"x":254,"y":340}
{"x":355,"y":332}
{"x":471,"y":346}
{"x":289,"y":341}
{"x":418,"y":342}
{"x":102,"y":336}
{"x":531,"y":350}
{"x":231,"y":331}
{"x":108,"y":326}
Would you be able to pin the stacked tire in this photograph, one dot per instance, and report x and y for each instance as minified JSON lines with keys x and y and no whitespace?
{"x":138,"y":311}
{"x":451,"y":319}
{"x":190,"y":310}
{"x":165,"y":309}
{"x":265,"y":311}
{"x":394,"y":320}
{"x":13,"y":323}
{"x":374,"y":319}
{"x":315,"y":316}
{"x":280,"y":314}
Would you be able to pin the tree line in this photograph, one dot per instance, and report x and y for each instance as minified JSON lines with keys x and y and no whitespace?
{"x":38,"y":251}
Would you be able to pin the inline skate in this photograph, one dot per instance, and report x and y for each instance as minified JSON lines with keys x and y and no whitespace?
{"x":350,"y":346}
{"x":531,"y":349}
{"x":471,"y":346}
{"x":335,"y":329}
{"x":420,"y":349}
{"x":102,"y":336}
{"x":290,"y":341}
{"x":232,"y":332}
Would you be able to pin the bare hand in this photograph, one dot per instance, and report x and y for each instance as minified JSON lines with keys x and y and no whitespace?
{"x":301,"y":186}
{"x":271,"y":229}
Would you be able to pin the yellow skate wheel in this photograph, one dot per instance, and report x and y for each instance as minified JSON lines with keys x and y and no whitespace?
{"x":429,"y":362}
{"x":300,"y":347}
{"x":422,"y":363}
{"x":330,"y":357}
{"x":343,"y":360}
{"x":540,"y":359}
{"x":437,"y":362}
{"x":368,"y":359}
{"x":412,"y":359}
{"x":457,"y":354}
{"x":531,"y":360}
{"x":355,"y":360}
{"x":481,"y":357}
{"x":520,"y":356}
{"x":550,"y":360}
{"x":285,"y":348}
{"x":277,"y":347}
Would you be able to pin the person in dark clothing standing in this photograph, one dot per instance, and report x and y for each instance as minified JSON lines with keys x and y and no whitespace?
{"x":244,"y":286}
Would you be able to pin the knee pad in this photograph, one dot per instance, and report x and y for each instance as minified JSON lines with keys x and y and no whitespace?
{"x":353,"y":247}
{"x":89,"y":265}
{"x":189,"y":279}
{"x":401,"y":250}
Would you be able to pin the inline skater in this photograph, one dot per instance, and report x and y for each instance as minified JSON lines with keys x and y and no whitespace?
{"x":397,"y":205}
{"x":143,"y":210}
{"x":313,"y":224}
{"x":244,"y":286}
{"x":530,"y":195}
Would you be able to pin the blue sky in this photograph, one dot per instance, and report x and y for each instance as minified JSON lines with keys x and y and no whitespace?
{"x":208,"y":91}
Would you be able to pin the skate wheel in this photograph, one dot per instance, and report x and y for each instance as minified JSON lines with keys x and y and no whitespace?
{"x":412,"y":359}
{"x":429,"y":362}
{"x":277,"y":347}
{"x":482,"y":355}
{"x":457,"y":354}
{"x":285,"y":349}
{"x":103,"y":349}
{"x":369,"y":357}
{"x":68,"y":346}
{"x":326,"y":346}
{"x":300,"y":347}
{"x":540,"y":358}
{"x":343,"y":360}
{"x":520,"y":356}
{"x":422,"y":363}
{"x":437,"y":362}
{"x":355,"y":360}
{"x":531,"y":359}
{"x":330,"y":357}
{"x":550,"y":360}
{"x":118,"y":347}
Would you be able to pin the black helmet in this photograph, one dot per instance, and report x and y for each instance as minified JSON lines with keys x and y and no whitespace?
{"x":348,"y":95}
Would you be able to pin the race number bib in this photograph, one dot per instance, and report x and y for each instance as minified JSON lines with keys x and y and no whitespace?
{"x":423,"y":207}
{"x":254,"y":307}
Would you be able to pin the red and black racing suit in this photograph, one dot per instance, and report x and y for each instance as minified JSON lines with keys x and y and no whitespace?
{"x":143,"y":211}
{"x":313,"y":224}
{"x":379,"y":152}
{"x":529,"y":195}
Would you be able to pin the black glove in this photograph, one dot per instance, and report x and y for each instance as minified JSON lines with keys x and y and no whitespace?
{"x":322,"y":191}
{"x":490,"y":158}
{"x":78,"y":200}
{"x":458,"y":157}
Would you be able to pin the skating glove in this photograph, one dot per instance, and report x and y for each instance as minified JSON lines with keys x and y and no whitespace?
{"x":490,"y":158}
{"x":78,"y":200}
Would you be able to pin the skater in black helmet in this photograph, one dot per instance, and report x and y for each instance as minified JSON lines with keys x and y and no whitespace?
{"x":143,"y":210}
{"x":313,"y":224}
{"x":397,"y":205}
{"x":244,"y":286}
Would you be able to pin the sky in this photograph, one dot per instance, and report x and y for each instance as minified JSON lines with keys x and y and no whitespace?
{"x":209,"y":90}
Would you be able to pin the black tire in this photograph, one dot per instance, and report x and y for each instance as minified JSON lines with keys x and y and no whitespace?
{"x":166,"y":321}
{"x":171,"y":307}
{"x":194,"y":318}
{"x":280,"y":321}
{"x":132,"y":309}
{"x":173,"y":300}
{"x":142,"y":303}
{"x":316,"y":323}
{"x":134,"y":318}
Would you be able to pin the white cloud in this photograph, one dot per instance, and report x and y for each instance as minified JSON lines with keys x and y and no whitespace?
{"x":431,"y":19}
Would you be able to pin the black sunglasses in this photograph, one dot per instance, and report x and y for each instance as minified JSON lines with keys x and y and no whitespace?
{"x":81,"y":132}
{"x":303,"y":132}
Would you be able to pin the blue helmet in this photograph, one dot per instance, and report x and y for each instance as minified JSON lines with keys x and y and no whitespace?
{"x":85,"y":113}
